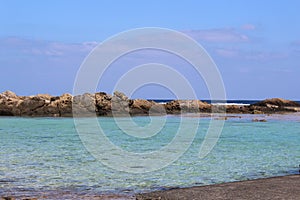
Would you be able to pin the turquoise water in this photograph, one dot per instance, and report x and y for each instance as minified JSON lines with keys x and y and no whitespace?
{"x":46,"y":154}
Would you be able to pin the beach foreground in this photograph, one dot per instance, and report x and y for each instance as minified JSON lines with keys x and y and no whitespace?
{"x":285,"y":187}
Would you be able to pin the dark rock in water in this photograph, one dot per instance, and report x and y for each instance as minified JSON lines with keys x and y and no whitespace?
{"x":256,"y":112}
{"x":221,"y":118}
{"x":259,"y":120}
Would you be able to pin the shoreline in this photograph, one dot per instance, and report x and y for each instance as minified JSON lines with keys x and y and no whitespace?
{"x":281,"y":116}
{"x":278,"y":187}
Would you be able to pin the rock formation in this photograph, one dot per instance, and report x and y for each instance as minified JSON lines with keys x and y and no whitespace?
{"x":187,"y":106}
{"x":118,"y":104}
{"x":277,"y":103}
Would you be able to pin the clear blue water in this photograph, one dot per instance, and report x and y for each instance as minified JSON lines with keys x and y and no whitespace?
{"x":45,"y":154}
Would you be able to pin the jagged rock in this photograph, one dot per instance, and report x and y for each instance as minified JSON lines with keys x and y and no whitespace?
{"x":186,"y":106}
{"x":157,"y":109}
{"x":46,"y":97}
{"x":30,"y":105}
{"x":237,"y":109}
{"x":9,"y":102}
{"x":84,"y":105}
{"x":103,"y":103}
{"x":141,"y":106}
{"x":63,"y":104}
{"x":172,"y":107}
{"x":274,"y":105}
{"x":277,"y":103}
{"x":10,"y":94}
{"x":119,"y":104}
{"x":119,"y":96}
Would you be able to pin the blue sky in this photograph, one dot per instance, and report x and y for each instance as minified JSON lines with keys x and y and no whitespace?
{"x":255,"y":44}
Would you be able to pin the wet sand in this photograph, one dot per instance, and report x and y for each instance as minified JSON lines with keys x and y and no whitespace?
{"x":285,"y":187}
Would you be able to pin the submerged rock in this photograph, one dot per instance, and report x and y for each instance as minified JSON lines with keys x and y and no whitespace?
{"x":259,"y":120}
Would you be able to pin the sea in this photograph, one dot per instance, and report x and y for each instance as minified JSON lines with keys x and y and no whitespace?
{"x":48,"y":154}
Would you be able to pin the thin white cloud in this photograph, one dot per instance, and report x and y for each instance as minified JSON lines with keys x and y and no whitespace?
{"x":231,"y":53}
{"x":261,"y":56}
{"x":230,"y":38}
{"x":248,"y":27}
{"x":295,"y":43}
{"x":227,"y":53}
{"x":44,"y":48}
{"x":218,"y":35}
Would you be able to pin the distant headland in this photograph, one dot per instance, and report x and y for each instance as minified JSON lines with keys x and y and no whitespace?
{"x":102,"y":104}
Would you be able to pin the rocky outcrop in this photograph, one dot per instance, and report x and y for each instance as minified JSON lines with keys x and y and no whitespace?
{"x":118,"y":104}
{"x":187,"y":106}
{"x":103,"y":103}
{"x":84,"y":105}
{"x":277,"y":103}
{"x":9,"y":104}
{"x":144,"y":107}
{"x":39,"y":105}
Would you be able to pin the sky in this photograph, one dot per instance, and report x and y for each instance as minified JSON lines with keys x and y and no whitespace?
{"x":255,"y":44}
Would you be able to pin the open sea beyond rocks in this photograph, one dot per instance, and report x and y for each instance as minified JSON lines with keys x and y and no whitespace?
{"x":46,"y":154}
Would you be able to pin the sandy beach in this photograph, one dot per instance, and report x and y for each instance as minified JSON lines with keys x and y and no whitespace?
{"x":285,"y":187}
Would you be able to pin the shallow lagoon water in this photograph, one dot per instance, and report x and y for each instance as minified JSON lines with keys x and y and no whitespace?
{"x":46,"y":154}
